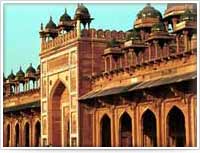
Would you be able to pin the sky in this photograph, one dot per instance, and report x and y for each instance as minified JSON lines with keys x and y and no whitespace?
{"x":22,"y":22}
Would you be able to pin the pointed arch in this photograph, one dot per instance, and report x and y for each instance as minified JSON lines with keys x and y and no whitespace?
{"x":125,"y":124}
{"x":59,"y":95}
{"x":105,"y":125}
{"x":176,"y":128}
{"x":149,"y":129}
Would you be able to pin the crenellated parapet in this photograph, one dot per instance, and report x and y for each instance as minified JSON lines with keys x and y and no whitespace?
{"x":103,"y":34}
{"x":85,"y":33}
{"x":58,"y":41}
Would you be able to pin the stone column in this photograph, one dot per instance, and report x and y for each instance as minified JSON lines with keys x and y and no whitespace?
{"x":112,"y":127}
{"x":111,"y":65}
{"x":78,"y":28}
{"x":116,"y":128}
{"x":155,"y":42}
{"x":187,"y":125}
{"x":185,"y":35}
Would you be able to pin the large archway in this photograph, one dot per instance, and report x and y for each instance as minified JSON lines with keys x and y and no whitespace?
{"x":125,"y":130}
{"x":58,"y":96}
{"x":176,"y":128}
{"x":149,"y":129}
{"x":8,"y":135}
{"x":37,"y":134}
{"x":26,"y":135}
{"x":105,"y":131}
{"x":17,"y":135}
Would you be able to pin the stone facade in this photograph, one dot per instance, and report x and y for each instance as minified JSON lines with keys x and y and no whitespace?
{"x":108,"y":88}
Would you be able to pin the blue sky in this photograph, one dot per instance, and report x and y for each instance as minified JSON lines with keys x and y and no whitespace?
{"x":22,"y":25}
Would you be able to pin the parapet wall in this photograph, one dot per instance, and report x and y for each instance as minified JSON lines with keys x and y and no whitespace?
{"x":85,"y":33}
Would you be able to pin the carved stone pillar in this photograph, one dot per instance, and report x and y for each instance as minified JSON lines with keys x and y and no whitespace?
{"x":155,"y":42}
{"x":185,"y":35}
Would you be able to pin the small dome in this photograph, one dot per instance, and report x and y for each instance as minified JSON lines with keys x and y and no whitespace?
{"x":82,"y":12}
{"x":149,"y":11}
{"x":158,"y":27}
{"x":51,"y":24}
{"x":11,"y":76}
{"x":30,"y":69}
{"x":188,"y":16}
{"x":20,"y":73}
{"x":65,"y":17}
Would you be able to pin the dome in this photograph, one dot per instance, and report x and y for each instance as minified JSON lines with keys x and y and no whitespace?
{"x":65,"y":17}
{"x":30,"y":69}
{"x":11,"y":76}
{"x":82,"y":12}
{"x":51,"y":24}
{"x":158,"y":27}
{"x":20,"y":74}
{"x":149,"y":11}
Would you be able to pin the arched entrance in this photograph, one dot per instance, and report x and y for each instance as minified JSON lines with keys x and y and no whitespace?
{"x":125,"y":130}
{"x":176,"y":128}
{"x":26,"y":135}
{"x":8,"y":135}
{"x":149,"y":129}
{"x":37,"y":134}
{"x":17,"y":135}
{"x":59,"y":95}
{"x":105,"y":132}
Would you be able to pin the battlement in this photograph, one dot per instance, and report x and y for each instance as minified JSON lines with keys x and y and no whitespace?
{"x":103,"y":34}
{"x":60,"y":40}
{"x":85,"y":33}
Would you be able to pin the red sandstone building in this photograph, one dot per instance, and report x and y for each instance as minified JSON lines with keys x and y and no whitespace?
{"x":108,"y":88}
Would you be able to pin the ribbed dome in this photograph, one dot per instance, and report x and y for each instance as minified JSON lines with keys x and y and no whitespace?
{"x":20,"y":73}
{"x":11,"y":76}
{"x":51,"y":24}
{"x":30,"y":69}
{"x":65,"y":17}
{"x":158,"y":27}
{"x":82,"y":12}
{"x":149,"y":11}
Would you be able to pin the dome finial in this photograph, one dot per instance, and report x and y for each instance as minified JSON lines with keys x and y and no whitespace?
{"x":65,"y":10}
{"x":50,"y":18}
